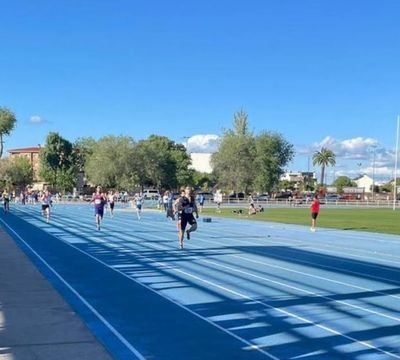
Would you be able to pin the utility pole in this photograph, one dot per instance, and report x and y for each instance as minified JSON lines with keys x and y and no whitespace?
{"x":373,"y":171}
{"x":395,"y":164}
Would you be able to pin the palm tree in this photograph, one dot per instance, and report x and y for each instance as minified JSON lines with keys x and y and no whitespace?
{"x":324,"y":158}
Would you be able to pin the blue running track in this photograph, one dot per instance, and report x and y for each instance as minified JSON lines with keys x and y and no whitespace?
{"x":239,"y":289}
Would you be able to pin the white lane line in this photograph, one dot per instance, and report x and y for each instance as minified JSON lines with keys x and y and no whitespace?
{"x":197,"y":258}
{"x":301,"y":272}
{"x":200,"y":239}
{"x":249,"y":344}
{"x":287,"y":313}
{"x":210,"y":283}
{"x":303,"y":290}
{"x":135,"y":352}
{"x":286,"y":258}
{"x":282,"y":239}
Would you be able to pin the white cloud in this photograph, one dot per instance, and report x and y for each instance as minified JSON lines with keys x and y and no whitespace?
{"x":203,"y":143}
{"x":36,"y":120}
{"x":355,"y":156}
{"x":356,"y":148}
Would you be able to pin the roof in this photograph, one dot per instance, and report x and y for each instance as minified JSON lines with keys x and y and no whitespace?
{"x":362,"y":176}
{"x":33,"y":149}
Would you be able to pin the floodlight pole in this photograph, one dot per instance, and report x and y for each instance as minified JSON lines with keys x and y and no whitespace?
{"x":373,"y":172}
{"x":395,"y":164}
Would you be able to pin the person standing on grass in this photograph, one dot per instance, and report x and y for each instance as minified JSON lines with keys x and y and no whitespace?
{"x":314,"y":212}
{"x":187,"y":208}
{"x":99,"y":200}
{"x":201,"y":200}
{"x":218,"y":199}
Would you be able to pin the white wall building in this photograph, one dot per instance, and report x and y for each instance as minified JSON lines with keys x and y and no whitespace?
{"x":298,"y":176}
{"x":365,"y":182}
{"x":201,"y":162}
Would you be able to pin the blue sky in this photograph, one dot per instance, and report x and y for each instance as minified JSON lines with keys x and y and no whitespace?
{"x":318,"y":72}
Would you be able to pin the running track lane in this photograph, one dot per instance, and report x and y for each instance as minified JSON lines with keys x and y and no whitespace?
{"x":155,"y":326}
{"x":151,"y":243}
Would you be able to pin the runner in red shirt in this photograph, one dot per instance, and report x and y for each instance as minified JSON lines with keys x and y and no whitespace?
{"x":314,"y":212}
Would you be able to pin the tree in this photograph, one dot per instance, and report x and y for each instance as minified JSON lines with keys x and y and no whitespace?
{"x":389,"y":186}
{"x":343,"y":181}
{"x":58,"y":163}
{"x":16,"y":172}
{"x":233,"y":162}
{"x":162,"y":163}
{"x":7,"y":124}
{"x":286,"y":185}
{"x":247,"y":162}
{"x":83,"y":148}
{"x":324,"y":158}
{"x":273,"y":152}
{"x":111,"y":163}
{"x":203,"y":181}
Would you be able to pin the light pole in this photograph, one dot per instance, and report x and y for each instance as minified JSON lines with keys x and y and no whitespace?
{"x":395,"y":164}
{"x":373,"y":171}
{"x":186,"y":142}
{"x":359,"y":168}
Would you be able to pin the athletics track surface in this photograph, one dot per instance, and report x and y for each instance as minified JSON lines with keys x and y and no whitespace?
{"x":239,"y":289}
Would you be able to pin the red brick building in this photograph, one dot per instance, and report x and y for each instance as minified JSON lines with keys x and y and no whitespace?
{"x":32,"y":154}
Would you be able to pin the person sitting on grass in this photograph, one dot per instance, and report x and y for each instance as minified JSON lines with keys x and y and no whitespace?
{"x":252,"y":209}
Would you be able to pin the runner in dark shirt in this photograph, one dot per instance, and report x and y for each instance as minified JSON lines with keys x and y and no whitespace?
{"x":186,"y":207}
{"x":99,"y":201}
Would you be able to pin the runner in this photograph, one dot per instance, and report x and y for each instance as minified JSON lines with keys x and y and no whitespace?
{"x":186,"y":207}
{"x":314,"y":212}
{"x":46,"y":202}
{"x":99,"y":201}
{"x":165,"y":201}
{"x":6,"y":201}
{"x":175,"y":207}
{"x":138,"y":204}
{"x":111,"y":202}
{"x":170,"y":206}
{"x":218,"y":199}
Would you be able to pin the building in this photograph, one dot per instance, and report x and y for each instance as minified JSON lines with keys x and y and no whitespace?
{"x":299,"y":178}
{"x":201,"y":162}
{"x":364,"y":181}
{"x":32,"y":154}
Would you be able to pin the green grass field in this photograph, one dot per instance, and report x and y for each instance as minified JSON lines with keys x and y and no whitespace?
{"x":374,"y":220}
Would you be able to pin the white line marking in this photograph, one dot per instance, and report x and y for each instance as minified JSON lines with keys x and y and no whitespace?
{"x":163,"y":265}
{"x":81,"y":298}
{"x":253,"y":346}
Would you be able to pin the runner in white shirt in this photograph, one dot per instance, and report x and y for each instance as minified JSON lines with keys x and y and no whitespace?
{"x":111,"y":202}
{"x":46,"y":202}
{"x":138,"y":203}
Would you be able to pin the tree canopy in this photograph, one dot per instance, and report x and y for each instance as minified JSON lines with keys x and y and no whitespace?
{"x":343,"y":181}
{"x":7,"y":124}
{"x":58,"y":162}
{"x":248,"y":162}
{"x":16,"y":172}
{"x":111,"y":162}
{"x":324,"y":158}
